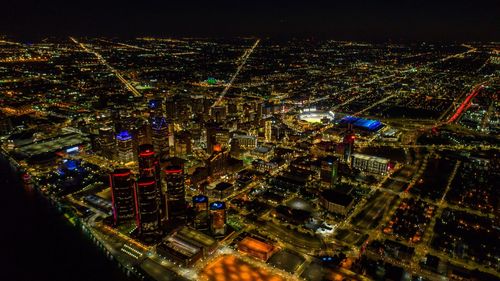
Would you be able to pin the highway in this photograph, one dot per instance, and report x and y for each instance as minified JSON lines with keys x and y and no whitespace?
{"x":465,"y":104}
{"x":410,"y":70}
{"x":243,"y":60}
{"x":126,"y":83}
{"x":125,"y":45}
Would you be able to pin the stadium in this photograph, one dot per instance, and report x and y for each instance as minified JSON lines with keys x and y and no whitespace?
{"x":311,"y":115}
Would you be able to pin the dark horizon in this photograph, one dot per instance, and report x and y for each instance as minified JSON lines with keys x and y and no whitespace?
{"x":382,"y":21}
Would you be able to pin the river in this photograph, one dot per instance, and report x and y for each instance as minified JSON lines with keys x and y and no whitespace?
{"x":38,"y":244}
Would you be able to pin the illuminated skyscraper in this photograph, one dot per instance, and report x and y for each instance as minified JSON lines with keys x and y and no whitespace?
{"x":159,"y":136}
{"x":125,"y":147}
{"x":142,"y":134}
{"x":217,"y":162}
{"x":148,"y":162}
{"x":155,"y":108}
{"x":175,"y":192}
{"x":107,"y":143}
{"x":348,"y":143}
{"x":216,"y":135}
{"x":148,"y":207}
{"x":149,"y":167}
{"x":267,"y":130}
{"x":122,"y":196}
{"x":159,"y":127}
{"x":218,"y":218}
{"x":329,"y":171}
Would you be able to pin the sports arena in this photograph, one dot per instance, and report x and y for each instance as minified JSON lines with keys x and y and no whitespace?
{"x":311,"y":115}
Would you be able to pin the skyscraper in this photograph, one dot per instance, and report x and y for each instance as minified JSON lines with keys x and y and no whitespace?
{"x":155,"y":108}
{"x":159,"y":127}
{"x":216,"y":135}
{"x":107,"y":143}
{"x":218,"y":218}
{"x":175,"y":192}
{"x":219,"y":113}
{"x":122,"y":195}
{"x":217,"y":162}
{"x":159,"y":136}
{"x":171,"y":108}
{"x":148,"y":162}
{"x":147,"y":205}
{"x":200,"y":206}
{"x":149,"y":167}
{"x":329,"y":171}
{"x":141,"y":134}
{"x":125,"y":147}
{"x":258,"y":110}
{"x":348,"y":143}
{"x":267,"y":130}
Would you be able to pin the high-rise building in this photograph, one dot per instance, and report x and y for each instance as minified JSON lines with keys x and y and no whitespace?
{"x":159,"y":127}
{"x":216,"y":135}
{"x":207,"y":105}
{"x":148,"y":162}
{"x":197,"y":104}
{"x":219,"y":113}
{"x":155,"y":108}
{"x":329,"y":171}
{"x":183,"y":143}
{"x":125,"y":147}
{"x":149,"y":167}
{"x":218,"y":218}
{"x":148,"y":207}
{"x":175,"y":192}
{"x":268,"y":129}
{"x":159,"y":136}
{"x":143,"y":134}
{"x":171,"y":139}
{"x":348,"y":143}
{"x":122,"y":196}
{"x":258,"y":110}
{"x":232,"y":107}
{"x":235,"y":148}
{"x":217,"y":162}
{"x":107,"y":143}
{"x":171,"y":108}
{"x":200,"y":206}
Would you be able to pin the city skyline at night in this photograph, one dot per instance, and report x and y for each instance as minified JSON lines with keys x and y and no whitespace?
{"x":232,"y":141}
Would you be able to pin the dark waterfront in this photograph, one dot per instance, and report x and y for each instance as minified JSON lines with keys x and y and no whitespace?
{"x":39,"y":244}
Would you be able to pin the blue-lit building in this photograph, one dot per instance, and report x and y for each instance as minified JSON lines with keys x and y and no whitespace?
{"x":125,"y":147}
{"x":361,"y":123}
{"x":200,"y":206}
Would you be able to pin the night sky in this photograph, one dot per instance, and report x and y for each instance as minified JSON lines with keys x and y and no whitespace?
{"x":375,"y":20}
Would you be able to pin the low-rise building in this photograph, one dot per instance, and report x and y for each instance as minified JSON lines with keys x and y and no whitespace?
{"x":256,"y":248}
{"x":372,"y":164}
{"x":335,"y":201}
